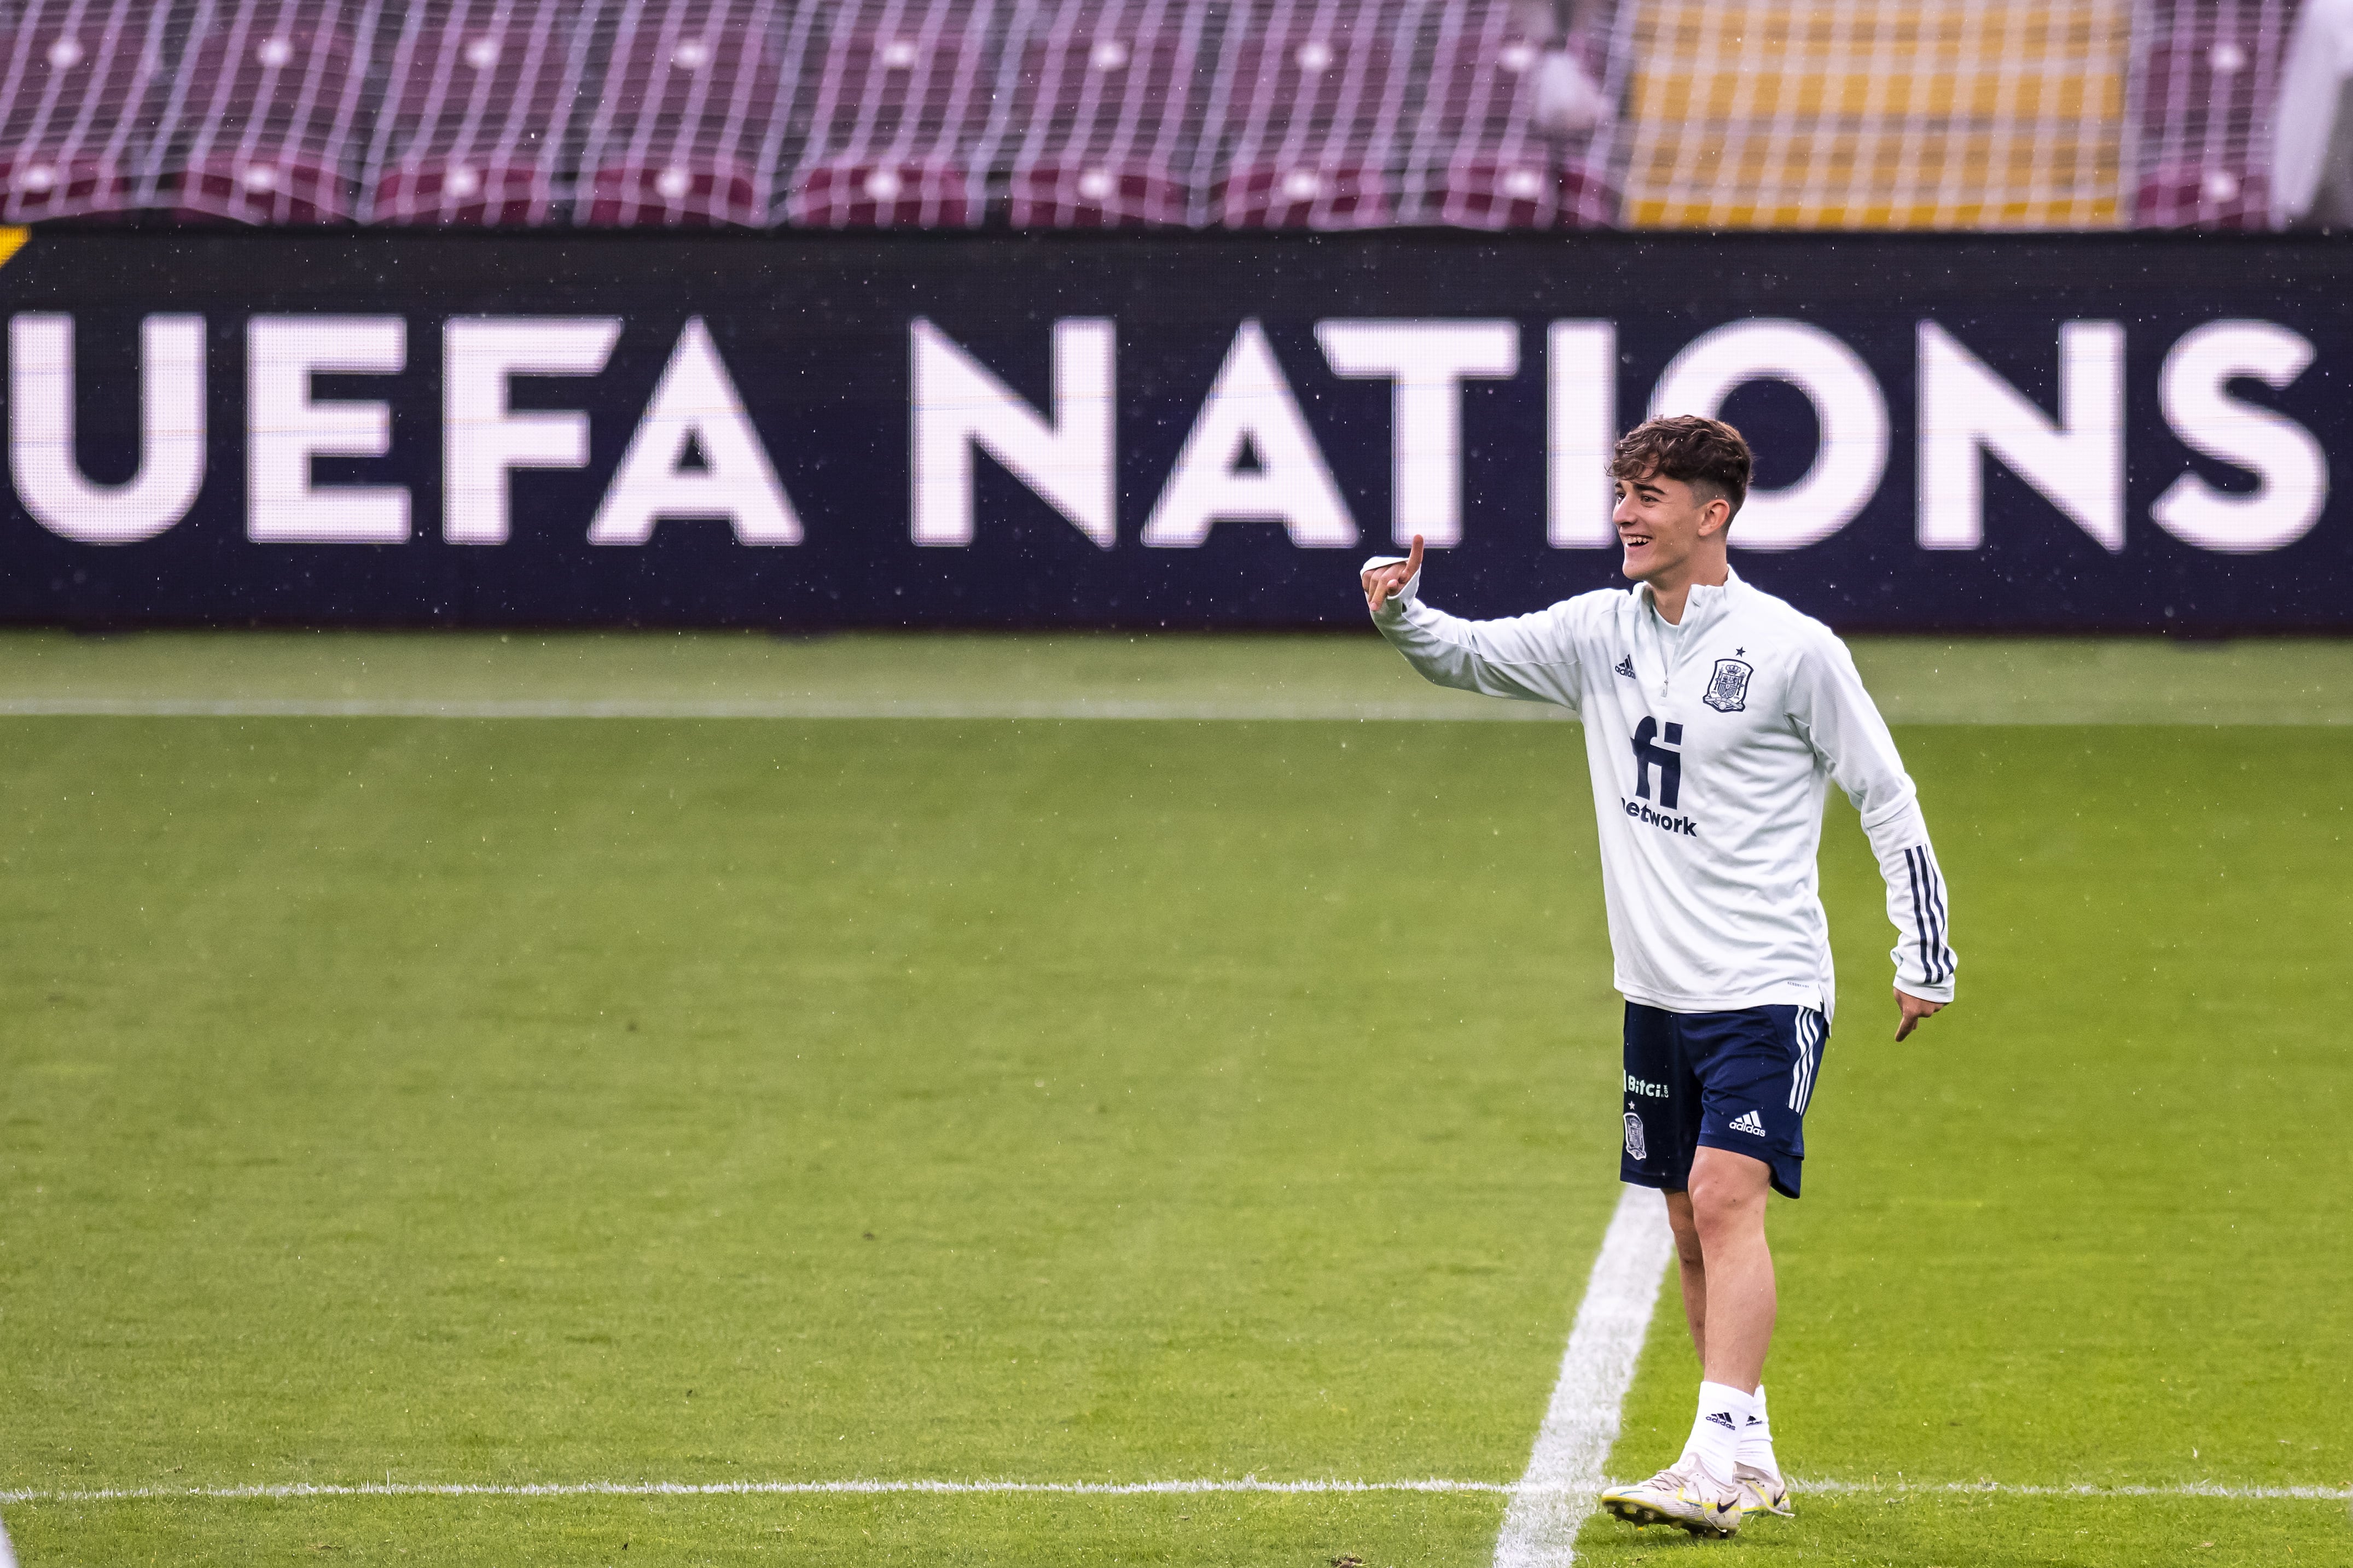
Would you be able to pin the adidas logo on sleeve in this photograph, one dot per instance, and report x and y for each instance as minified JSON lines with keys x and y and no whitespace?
{"x":1748,"y":1122}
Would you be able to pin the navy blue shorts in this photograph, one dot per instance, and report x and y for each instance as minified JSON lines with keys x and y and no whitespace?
{"x":1736,"y":1080}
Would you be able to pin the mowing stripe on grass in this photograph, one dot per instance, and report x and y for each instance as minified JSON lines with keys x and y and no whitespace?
{"x":292,"y":1491}
{"x":1917,"y":680}
{"x":1233,"y":710}
{"x":2003,"y":1489}
{"x":286,"y":1489}
{"x":1580,"y":1424}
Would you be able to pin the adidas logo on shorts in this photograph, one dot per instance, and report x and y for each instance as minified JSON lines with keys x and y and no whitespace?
{"x":1751,"y":1123}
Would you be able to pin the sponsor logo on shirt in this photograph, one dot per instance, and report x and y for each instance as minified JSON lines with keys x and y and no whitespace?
{"x":1645,"y":1087}
{"x":1654,"y":749}
{"x":1640,"y":812}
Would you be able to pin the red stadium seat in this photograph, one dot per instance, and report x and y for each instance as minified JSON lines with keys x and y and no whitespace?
{"x":1487,"y":191}
{"x":693,"y":190}
{"x":688,"y":116}
{"x":901,"y":108}
{"x":1098,"y":194}
{"x":481,"y":93}
{"x":269,"y":94}
{"x":2208,"y":78}
{"x":1102,"y":104}
{"x":882,"y":196}
{"x":1325,"y":193}
{"x":463,"y":191}
{"x":1478,"y":159}
{"x":77,"y":88}
{"x":1317,"y":91}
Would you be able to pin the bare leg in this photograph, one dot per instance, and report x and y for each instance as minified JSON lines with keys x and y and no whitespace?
{"x":1726,"y":1205}
{"x":1694,"y":1271}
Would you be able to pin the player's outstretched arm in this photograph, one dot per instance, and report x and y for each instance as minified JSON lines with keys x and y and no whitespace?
{"x":1530,"y":658}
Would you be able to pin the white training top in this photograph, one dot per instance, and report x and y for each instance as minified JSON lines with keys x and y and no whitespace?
{"x":1712,"y":744}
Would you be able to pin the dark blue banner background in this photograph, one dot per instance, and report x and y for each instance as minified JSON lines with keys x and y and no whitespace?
{"x":815,"y":334}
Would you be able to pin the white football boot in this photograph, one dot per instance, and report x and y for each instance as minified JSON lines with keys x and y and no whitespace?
{"x":1682,"y":1494}
{"x":1763,"y":1491}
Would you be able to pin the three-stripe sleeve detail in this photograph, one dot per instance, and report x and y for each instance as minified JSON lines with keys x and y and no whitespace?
{"x":1928,"y":915}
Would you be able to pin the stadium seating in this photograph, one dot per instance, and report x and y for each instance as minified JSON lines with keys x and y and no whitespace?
{"x":1933,"y":114}
{"x":1311,"y":97}
{"x":473,"y":129}
{"x":688,"y":117}
{"x":2208,"y":76}
{"x":1477,"y":158}
{"x":1102,"y":129}
{"x":261,"y":123}
{"x":900,"y":107}
{"x":1940,"y":114}
{"x":77,"y":84}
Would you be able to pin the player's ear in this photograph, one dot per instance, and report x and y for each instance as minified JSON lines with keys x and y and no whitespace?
{"x":1716,"y":516}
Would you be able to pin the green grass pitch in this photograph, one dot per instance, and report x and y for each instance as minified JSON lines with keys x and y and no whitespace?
{"x":448,"y":1101}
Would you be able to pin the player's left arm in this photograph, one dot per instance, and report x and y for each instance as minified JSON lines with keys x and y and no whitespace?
{"x":1828,"y":703}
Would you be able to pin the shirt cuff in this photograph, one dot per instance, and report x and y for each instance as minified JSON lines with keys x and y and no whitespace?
{"x":1394,"y":607}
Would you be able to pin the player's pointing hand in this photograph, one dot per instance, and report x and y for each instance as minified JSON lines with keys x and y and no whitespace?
{"x":1382,"y":583}
{"x":1913,"y":1009}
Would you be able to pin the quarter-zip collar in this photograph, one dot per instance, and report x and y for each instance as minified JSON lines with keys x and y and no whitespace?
{"x":1704,"y":606}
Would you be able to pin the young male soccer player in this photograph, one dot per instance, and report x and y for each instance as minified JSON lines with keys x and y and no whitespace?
{"x":1715,"y":716}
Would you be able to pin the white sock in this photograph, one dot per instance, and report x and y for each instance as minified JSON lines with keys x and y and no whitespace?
{"x":1715,"y":1430}
{"x":1757,"y":1439}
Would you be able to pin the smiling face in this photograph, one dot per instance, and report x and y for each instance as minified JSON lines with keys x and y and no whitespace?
{"x":1668,"y":528}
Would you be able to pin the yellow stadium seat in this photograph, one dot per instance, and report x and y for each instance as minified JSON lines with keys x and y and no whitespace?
{"x":1927,"y":115}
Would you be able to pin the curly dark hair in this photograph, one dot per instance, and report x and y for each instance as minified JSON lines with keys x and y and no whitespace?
{"x":1706,"y":454}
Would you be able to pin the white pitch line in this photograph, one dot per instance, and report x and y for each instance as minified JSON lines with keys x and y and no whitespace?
{"x":1580,"y":1424}
{"x":287,"y":1490}
{"x":1209,"y":709}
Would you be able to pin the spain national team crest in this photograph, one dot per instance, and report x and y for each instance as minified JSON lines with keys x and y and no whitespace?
{"x":1727,"y":689}
{"x":1637,"y":1146}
